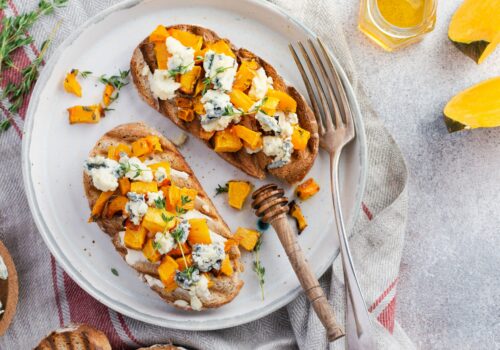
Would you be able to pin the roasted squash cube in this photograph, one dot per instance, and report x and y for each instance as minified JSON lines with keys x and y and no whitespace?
{"x":286,"y":104}
{"x":159,"y":34}
{"x":161,"y":54}
{"x":182,"y":264}
{"x":124,"y":185}
{"x":154,"y":143}
{"x":189,"y":79}
{"x":270,"y":105}
{"x":307,"y":189}
{"x":99,"y":205}
{"x":116,"y":205}
{"x":221,"y":46}
{"x":245,"y":74}
{"x":226,"y":268}
{"x":134,"y":239}
{"x":186,"y":249}
{"x":150,"y":252}
{"x":246,"y":238}
{"x":198,"y":232}
{"x":226,"y":141}
{"x":228,"y":244}
{"x":252,"y":138}
{"x":167,"y":270}
{"x":140,"y":147}
{"x":71,"y":84}
{"x":187,"y":38}
{"x":85,"y":114}
{"x":185,"y":114}
{"x":198,"y":107}
{"x":300,"y":138}
{"x":296,"y":213}
{"x":107,"y":95}
{"x":238,"y":192}
{"x":241,"y":100}
{"x":143,"y":187}
{"x":158,"y":220}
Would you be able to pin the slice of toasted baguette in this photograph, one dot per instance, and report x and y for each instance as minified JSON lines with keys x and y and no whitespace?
{"x":252,"y":164}
{"x":75,"y":337}
{"x":225,"y":288}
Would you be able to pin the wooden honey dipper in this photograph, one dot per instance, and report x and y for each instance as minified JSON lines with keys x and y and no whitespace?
{"x":271,"y":206}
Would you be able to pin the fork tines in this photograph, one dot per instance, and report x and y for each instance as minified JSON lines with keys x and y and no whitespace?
{"x":326,"y":91}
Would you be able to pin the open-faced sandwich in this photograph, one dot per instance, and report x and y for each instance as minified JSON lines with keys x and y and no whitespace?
{"x":230,"y":98}
{"x":145,"y":196}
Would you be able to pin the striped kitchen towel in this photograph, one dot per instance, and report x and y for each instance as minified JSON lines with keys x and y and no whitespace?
{"x":48,"y":298}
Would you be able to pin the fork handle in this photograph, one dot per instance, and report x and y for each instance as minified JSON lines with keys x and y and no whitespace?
{"x":306,"y":277}
{"x":360,"y":311}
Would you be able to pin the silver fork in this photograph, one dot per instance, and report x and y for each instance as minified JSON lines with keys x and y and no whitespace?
{"x":336,"y":129}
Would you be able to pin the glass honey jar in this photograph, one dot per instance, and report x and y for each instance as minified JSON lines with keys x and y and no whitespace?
{"x":393,"y":24}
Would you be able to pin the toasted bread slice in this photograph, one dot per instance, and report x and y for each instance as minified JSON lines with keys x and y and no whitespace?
{"x":252,"y":164}
{"x":75,"y":337}
{"x":224,"y":288}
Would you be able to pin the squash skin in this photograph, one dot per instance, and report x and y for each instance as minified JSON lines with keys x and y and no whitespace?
{"x":475,"y":107}
{"x":475,"y":28}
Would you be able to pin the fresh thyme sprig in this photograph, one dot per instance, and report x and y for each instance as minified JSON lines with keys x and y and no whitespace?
{"x":179,"y":70}
{"x":126,"y":167}
{"x":207,"y":81}
{"x":221,"y":189}
{"x":117,"y":81}
{"x":14,"y":29}
{"x":177,"y":235}
{"x":160,"y":203}
{"x":84,"y":74}
{"x":4,"y":125}
{"x":259,"y":269}
{"x":17,"y":92}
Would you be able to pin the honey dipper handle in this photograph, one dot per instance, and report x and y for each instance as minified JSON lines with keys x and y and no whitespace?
{"x":306,"y":277}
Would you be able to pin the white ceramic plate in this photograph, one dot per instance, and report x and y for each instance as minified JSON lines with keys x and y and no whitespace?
{"x":53,"y":153}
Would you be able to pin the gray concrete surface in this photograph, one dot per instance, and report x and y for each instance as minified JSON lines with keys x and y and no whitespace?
{"x":449,"y":291}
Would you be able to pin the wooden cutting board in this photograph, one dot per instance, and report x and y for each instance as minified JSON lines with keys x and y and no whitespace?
{"x":9,"y":291}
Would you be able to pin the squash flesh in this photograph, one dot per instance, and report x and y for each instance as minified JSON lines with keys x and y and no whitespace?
{"x":226,"y":141}
{"x":475,"y":107}
{"x":238,"y":192}
{"x":475,"y":28}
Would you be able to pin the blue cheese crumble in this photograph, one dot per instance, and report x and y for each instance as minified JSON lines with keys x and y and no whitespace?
{"x":218,"y":108}
{"x":104,"y":172}
{"x":260,"y":84}
{"x":154,"y":197}
{"x":160,"y":174}
{"x":135,"y":170}
{"x":267,"y":123}
{"x":208,"y":256}
{"x":182,"y":57}
{"x":164,"y":242}
{"x":187,"y":278}
{"x":136,"y":207}
{"x":182,"y":231}
{"x":163,"y":85}
{"x":220,"y":69}
{"x":280,"y":149}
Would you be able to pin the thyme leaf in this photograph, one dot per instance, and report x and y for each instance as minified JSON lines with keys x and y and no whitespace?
{"x":221,"y":189}
{"x":258,"y":268}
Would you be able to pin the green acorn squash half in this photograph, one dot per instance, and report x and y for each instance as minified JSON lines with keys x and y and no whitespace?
{"x":475,"y":28}
{"x":475,"y":107}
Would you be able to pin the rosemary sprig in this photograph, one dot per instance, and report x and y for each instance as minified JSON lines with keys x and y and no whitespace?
{"x":259,"y":269}
{"x":14,"y":29}
{"x":221,"y":189}
{"x":3,"y":4}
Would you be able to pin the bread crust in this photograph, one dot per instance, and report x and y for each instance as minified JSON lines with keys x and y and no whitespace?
{"x":225,"y":288}
{"x":253,"y":164}
{"x":75,"y":337}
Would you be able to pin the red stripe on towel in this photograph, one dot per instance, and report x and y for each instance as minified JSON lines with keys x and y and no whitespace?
{"x":386,"y":317}
{"x":127,"y":329}
{"x":367,"y":211}
{"x":85,"y":309}
{"x":383,"y":295}
{"x":12,"y":121}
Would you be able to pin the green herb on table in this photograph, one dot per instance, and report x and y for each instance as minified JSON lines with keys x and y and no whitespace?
{"x":114,"y":271}
{"x":3,"y":4}
{"x":259,"y":269}
{"x":14,"y":29}
{"x":84,"y":74}
{"x":4,"y":125}
{"x":117,"y":82}
{"x":221,"y":189}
